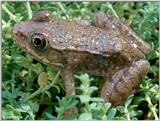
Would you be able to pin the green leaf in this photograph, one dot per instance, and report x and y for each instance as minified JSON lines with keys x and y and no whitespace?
{"x":22,"y":61}
{"x":11,"y":113}
{"x":111,"y":114}
{"x":48,"y":94}
{"x":154,"y":69}
{"x":43,"y":79}
{"x":37,"y":68}
{"x":85,"y":116}
{"x":50,"y":116}
{"x":96,"y":99}
{"x":34,"y":106}
{"x":152,"y":55}
{"x":51,"y":73}
{"x":66,"y":103}
{"x":84,"y":98}
{"x":129,"y":100}
{"x":107,"y":105}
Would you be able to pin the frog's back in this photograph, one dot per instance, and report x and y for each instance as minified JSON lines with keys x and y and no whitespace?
{"x":76,"y":37}
{"x":73,"y":36}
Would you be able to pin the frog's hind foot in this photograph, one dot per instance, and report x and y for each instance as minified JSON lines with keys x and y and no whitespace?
{"x":124,"y":82}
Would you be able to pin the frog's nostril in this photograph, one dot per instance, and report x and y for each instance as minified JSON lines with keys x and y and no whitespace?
{"x":18,"y":28}
{"x":15,"y":31}
{"x":19,"y":32}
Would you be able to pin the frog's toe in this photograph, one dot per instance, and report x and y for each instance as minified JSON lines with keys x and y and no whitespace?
{"x":124,"y":82}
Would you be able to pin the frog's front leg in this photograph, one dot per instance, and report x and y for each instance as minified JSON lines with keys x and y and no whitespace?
{"x":67,"y":75}
{"x":124,"y":82}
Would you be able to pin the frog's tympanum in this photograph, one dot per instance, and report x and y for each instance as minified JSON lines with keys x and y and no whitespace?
{"x":107,"y":48}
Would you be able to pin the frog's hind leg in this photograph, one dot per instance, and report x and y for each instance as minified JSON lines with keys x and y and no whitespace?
{"x":124,"y":82}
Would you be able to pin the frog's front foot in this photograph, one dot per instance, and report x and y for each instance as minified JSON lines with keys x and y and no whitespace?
{"x":67,"y":75}
{"x":124,"y":82}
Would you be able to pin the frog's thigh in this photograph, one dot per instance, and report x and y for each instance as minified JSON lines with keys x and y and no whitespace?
{"x":68,"y":81}
{"x":124,"y":82}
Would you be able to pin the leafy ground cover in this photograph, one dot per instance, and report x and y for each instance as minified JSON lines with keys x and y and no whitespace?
{"x":32,"y":90}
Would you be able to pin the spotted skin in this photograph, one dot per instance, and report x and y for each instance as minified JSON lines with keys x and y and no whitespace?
{"x":109,"y":49}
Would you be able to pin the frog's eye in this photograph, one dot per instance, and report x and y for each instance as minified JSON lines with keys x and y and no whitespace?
{"x":38,"y":41}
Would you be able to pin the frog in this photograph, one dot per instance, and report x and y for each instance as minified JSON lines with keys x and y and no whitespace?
{"x":106,"y":47}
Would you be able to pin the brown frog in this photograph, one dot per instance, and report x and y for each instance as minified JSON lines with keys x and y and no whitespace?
{"x":108,"y":49}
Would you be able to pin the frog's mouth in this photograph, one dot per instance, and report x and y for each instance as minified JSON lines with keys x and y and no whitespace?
{"x":45,"y":61}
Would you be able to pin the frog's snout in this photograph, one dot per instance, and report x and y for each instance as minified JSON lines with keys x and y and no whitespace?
{"x":19,"y":32}
{"x":15,"y":30}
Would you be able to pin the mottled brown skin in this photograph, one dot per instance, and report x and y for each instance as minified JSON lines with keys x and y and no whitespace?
{"x":108,"y":49}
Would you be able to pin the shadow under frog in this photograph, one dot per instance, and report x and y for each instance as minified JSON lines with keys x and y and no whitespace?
{"x":108,"y":49}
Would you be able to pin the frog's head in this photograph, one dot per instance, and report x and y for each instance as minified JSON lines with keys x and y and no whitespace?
{"x":33,"y":36}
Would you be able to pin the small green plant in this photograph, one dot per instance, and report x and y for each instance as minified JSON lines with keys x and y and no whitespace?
{"x":23,"y":111}
{"x":92,"y":107}
{"x":22,"y":95}
{"x":128,"y":111}
{"x":150,"y":95}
